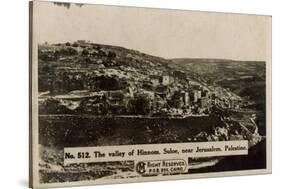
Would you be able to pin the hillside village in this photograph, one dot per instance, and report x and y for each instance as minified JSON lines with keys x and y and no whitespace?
{"x":88,"y":78}
{"x":100,"y":95}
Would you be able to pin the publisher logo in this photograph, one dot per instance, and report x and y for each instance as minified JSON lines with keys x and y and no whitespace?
{"x":140,"y":167}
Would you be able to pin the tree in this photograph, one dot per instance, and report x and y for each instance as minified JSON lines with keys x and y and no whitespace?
{"x":111,"y":54}
{"x":87,"y":60}
{"x":53,"y":106}
{"x":107,"y":83}
{"x":142,"y":105}
{"x":85,"y":52}
{"x":68,"y":51}
{"x":46,"y":69}
{"x":75,"y":45}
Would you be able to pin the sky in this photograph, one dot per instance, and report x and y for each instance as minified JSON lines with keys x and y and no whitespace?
{"x":159,"y":32}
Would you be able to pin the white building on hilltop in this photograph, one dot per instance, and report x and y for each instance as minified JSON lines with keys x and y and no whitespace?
{"x":165,"y":80}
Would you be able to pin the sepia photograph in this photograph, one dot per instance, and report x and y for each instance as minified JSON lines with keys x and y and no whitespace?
{"x":110,"y":76}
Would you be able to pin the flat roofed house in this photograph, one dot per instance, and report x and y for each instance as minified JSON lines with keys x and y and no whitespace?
{"x":165,"y":80}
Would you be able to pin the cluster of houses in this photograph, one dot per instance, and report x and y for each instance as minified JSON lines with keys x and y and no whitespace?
{"x":160,"y":94}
